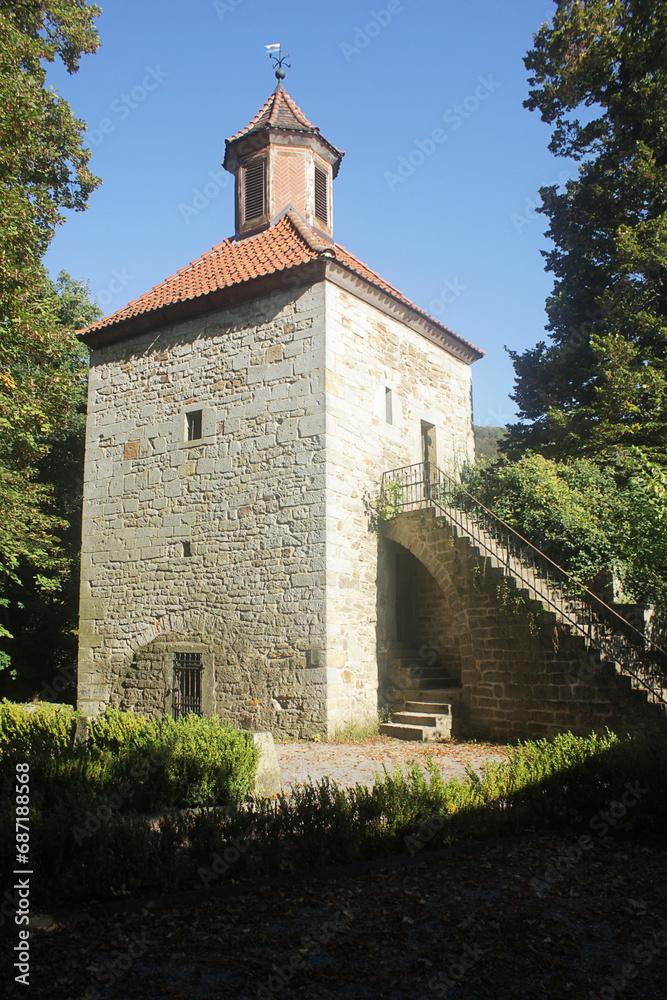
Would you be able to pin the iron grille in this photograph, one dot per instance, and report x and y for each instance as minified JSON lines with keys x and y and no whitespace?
{"x":186,"y":690}
{"x":254,"y":189}
{"x":321,"y":200}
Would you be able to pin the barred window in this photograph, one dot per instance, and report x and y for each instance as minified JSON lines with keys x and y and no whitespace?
{"x":186,"y":690}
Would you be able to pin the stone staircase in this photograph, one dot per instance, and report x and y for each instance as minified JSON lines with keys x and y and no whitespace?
{"x":431,"y":698}
{"x":498,"y":548}
{"x":613,"y":640}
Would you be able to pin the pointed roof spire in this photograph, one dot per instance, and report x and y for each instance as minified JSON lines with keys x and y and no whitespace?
{"x":278,"y":111}
{"x":281,"y":112}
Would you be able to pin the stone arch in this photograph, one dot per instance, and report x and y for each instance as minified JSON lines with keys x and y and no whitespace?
{"x":423,"y":622}
{"x":210,"y":627}
{"x":143,"y":678}
{"x":439,"y":558}
{"x":244,"y":686}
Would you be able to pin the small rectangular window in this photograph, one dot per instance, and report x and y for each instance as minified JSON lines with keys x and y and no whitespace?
{"x":321,"y":199}
{"x":254,"y":186}
{"x":388,"y":406}
{"x":194,"y":425}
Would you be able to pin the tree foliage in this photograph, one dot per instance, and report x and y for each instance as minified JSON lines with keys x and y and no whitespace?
{"x":599,"y":78}
{"x":43,"y":170}
{"x":588,"y":484}
{"x":40,"y":583}
{"x":598,"y":522}
{"x":487,"y":441}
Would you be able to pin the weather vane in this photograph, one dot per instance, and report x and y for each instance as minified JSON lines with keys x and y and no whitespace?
{"x":278,"y":60}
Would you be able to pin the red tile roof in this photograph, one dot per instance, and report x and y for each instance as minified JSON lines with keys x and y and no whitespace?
{"x":287,"y":244}
{"x":279,"y":111}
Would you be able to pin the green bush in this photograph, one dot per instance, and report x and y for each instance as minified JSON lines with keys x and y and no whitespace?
{"x":115,"y":731}
{"x":43,"y":728}
{"x":588,"y":517}
{"x":82,"y":849}
{"x":572,"y":511}
{"x":146,"y":764}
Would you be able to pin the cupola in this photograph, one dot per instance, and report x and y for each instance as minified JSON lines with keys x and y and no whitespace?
{"x":280,"y":162}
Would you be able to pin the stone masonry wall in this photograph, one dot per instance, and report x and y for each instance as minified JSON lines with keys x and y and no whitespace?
{"x":215,"y":545}
{"x":366,"y":354}
{"x":522,"y":675}
{"x":437,"y":632}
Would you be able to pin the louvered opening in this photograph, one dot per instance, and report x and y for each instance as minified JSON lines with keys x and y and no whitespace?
{"x":254,"y":189}
{"x":321,"y":200}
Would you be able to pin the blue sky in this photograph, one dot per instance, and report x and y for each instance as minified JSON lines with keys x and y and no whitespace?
{"x":442,"y":168}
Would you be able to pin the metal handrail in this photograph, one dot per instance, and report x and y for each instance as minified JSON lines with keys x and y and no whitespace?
{"x":586,"y":614}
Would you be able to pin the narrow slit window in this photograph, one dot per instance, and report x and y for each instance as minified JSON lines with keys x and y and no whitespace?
{"x":321,"y":197}
{"x":388,"y":405}
{"x":186,"y":549}
{"x":254,"y":190}
{"x":194,"y":425}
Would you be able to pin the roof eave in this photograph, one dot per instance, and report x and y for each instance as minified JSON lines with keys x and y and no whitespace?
{"x":396,"y":308}
{"x":285,"y":279}
{"x":253,"y":142}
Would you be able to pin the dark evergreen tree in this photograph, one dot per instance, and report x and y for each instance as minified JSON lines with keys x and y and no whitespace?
{"x":599,"y":78}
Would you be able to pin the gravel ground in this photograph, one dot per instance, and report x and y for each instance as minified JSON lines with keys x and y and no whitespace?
{"x":464,"y":926}
{"x":349,"y":764}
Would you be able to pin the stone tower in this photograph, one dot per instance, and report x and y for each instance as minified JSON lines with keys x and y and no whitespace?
{"x":238,"y":413}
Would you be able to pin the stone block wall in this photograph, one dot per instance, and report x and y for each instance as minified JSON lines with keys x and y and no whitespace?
{"x":368,"y":353}
{"x":217,"y":542}
{"x":250,"y":544}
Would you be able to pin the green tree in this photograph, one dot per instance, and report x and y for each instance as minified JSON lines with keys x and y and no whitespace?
{"x":487,"y":441}
{"x":599,"y":522}
{"x":43,"y":170}
{"x":599,"y":78}
{"x":39,"y":618}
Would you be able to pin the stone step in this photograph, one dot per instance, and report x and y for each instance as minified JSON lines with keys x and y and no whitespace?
{"x":428,"y":689}
{"x":419,"y":734}
{"x":438,"y":719}
{"x":428,"y":673}
{"x":409,"y":662}
{"x":447,"y":694}
{"x":433,"y":684}
{"x":435,"y":707}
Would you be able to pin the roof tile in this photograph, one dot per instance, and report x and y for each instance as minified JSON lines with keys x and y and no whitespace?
{"x":288,"y":243}
{"x":279,"y":111}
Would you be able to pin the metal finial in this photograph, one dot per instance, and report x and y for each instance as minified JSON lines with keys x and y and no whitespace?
{"x":278,"y":60}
